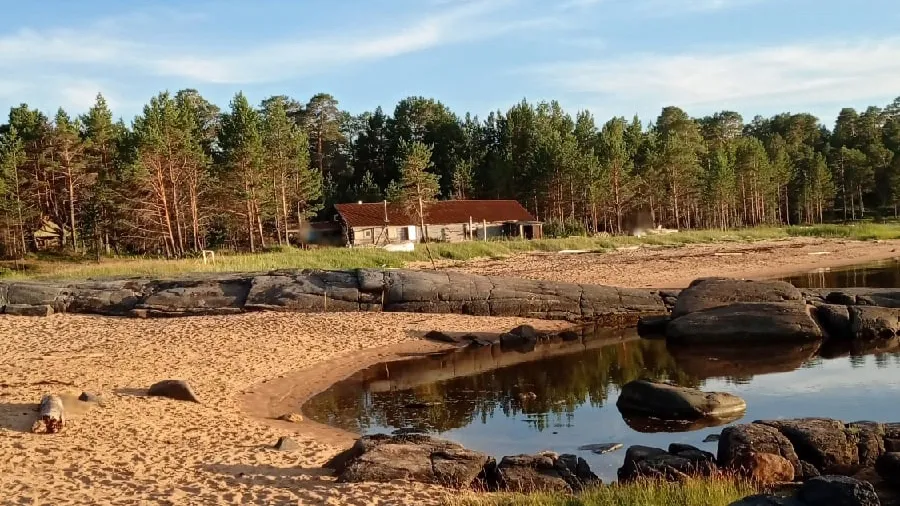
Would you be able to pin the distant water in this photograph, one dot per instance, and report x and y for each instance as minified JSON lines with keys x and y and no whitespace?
{"x":472,"y":396}
{"x":884,"y":274}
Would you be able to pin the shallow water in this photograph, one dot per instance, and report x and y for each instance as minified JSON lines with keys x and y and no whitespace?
{"x":472,"y":396}
{"x":885,"y":274}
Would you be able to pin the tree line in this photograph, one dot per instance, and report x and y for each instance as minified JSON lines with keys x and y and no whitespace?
{"x":186,"y":176}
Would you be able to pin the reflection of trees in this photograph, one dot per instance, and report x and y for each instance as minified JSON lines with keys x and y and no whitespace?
{"x":560,"y":384}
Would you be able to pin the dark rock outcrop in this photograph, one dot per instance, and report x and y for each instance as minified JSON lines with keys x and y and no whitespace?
{"x":643,"y":462}
{"x":546,"y":472}
{"x":837,"y":491}
{"x":671,"y":402}
{"x":746,"y":323}
{"x":381,"y":458}
{"x":888,"y":467}
{"x":767,"y":500}
{"x":358,"y":290}
{"x":826,"y":444}
{"x":173,"y":389}
{"x":708,"y":293}
{"x":754,"y":437}
{"x":871,"y":323}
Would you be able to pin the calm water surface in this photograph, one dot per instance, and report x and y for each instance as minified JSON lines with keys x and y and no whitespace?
{"x":473,"y":396}
{"x":884,"y":274}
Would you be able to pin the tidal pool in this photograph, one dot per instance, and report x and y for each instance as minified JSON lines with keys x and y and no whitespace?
{"x":482,"y":397}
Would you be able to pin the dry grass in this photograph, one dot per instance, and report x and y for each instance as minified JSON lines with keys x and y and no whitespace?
{"x":346,"y":258}
{"x":700,"y":492}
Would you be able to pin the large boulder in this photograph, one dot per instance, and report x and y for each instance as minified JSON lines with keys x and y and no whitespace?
{"x":382,"y":458}
{"x":837,"y":491}
{"x":826,"y":444}
{"x":746,"y":323}
{"x":871,"y":323}
{"x":834,"y":319}
{"x":644,"y":462}
{"x":708,"y":293}
{"x":545,"y":472}
{"x":888,"y":467}
{"x":763,"y":468}
{"x":672,"y":402}
{"x":754,"y":437}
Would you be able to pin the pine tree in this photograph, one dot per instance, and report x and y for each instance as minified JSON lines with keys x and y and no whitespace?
{"x":417,"y":186}
{"x":67,"y":153}
{"x":242,"y":150}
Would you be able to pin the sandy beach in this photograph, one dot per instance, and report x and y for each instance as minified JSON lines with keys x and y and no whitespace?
{"x":134,"y":449}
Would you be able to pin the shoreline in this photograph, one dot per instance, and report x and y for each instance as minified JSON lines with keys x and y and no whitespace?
{"x":157,"y":451}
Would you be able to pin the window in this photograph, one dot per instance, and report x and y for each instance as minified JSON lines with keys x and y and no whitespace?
{"x":403,"y":233}
{"x":368,"y":233}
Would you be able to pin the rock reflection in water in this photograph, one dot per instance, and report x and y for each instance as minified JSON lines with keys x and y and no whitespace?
{"x":481,"y":398}
{"x":650,"y":425}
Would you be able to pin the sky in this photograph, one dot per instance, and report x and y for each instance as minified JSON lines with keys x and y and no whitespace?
{"x":612,"y":57}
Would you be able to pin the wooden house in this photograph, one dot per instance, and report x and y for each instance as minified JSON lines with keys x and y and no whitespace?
{"x":380,"y":224}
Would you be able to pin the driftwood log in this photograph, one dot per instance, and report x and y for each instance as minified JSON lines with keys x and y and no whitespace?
{"x":51,"y":415}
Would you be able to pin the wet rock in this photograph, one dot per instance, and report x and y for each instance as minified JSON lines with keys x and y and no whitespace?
{"x":173,"y":389}
{"x":286,"y":444}
{"x":888,"y":467}
{"x":834,"y":319}
{"x":746,"y":323}
{"x":602,"y":448}
{"x":754,"y":437}
{"x":837,"y":491}
{"x":544,"y":472}
{"x":708,"y":293}
{"x":767,"y":500}
{"x":871,"y":323}
{"x":672,"y":402}
{"x":824,"y":443}
{"x":712,"y":438}
{"x":569,"y":335}
{"x":28,"y":310}
{"x":653,"y":326}
{"x":763,"y":468}
{"x":407,"y":430}
{"x":381,"y":458}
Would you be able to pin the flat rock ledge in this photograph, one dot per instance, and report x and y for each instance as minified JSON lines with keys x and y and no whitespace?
{"x":670,"y":402}
{"x":731,"y":311}
{"x":335,"y":291}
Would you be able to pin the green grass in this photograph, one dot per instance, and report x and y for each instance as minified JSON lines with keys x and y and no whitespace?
{"x":708,"y":492}
{"x":346,"y":258}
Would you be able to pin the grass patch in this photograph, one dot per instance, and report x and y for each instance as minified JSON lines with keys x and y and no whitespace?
{"x":55,"y":266}
{"x":706,"y":492}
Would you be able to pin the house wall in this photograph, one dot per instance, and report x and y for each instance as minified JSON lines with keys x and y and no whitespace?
{"x":456,"y":232}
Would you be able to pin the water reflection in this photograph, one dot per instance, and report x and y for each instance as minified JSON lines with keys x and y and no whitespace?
{"x":478,"y":397}
{"x":885,"y":274}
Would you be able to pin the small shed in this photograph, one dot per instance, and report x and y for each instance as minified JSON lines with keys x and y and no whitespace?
{"x":378,"y":224}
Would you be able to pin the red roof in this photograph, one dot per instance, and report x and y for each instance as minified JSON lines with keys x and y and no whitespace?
{"x":442,"y":212}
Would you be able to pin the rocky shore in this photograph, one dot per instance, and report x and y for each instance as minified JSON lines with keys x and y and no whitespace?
{"x":337,"y":291}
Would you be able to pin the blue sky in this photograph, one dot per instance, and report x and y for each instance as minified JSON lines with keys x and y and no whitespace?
{"x":613,"y":57}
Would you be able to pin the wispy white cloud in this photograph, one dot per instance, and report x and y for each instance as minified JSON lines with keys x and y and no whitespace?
{"x":661,"y":6}
{"x":790,"y":75}
{"x":457,"y":22}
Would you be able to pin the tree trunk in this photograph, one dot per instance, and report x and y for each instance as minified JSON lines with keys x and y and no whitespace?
{"x":51,"y":415}
{"x":71,"y":187}
{"x":249,"y":204}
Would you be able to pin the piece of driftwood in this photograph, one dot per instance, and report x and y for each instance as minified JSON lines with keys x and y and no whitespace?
{"x":51,"y":415}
